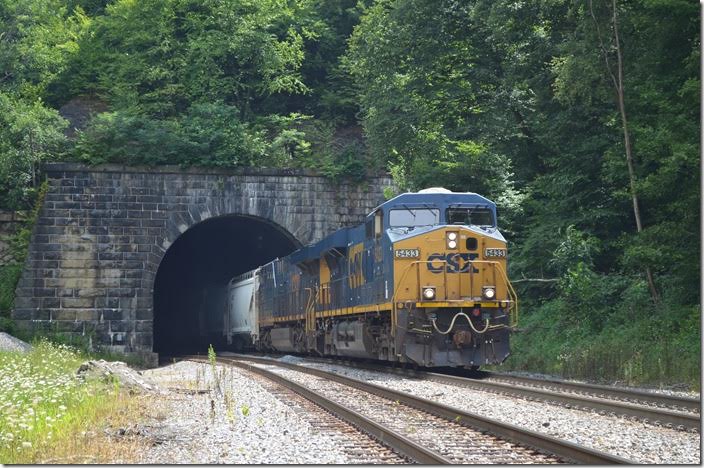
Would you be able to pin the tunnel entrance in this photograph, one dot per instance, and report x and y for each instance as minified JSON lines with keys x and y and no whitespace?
{"x":191,"y":281}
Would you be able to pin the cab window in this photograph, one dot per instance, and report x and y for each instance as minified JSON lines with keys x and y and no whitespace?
{"x":378,"y":223}
{"x":410,"y":217}
{"x":470,"y":216}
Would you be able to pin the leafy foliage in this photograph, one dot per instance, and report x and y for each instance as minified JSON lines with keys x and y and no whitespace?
{"x":29,"y":134}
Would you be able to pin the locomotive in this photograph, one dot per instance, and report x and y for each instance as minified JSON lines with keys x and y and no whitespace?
{"x":422,"y":282}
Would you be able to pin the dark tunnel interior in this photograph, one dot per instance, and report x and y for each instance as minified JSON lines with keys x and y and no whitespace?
{"x":191,"y":282}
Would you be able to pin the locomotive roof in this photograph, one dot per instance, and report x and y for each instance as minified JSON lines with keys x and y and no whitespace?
{"x":340,"y":239}
{"x":439,"y":198}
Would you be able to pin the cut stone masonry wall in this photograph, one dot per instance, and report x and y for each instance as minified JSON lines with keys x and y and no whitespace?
{"x":103,"y":231}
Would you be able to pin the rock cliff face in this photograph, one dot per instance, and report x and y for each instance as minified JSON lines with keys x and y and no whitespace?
{"x":103,"y":232}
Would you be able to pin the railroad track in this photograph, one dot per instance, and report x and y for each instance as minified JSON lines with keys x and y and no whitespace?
{"x":420,"y":429}
{"x":358,"y":445}
{"x":666,"y":410}
{"x":677,"y":403}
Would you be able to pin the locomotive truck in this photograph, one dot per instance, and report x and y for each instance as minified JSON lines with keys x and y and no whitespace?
{"x":423,"y":282}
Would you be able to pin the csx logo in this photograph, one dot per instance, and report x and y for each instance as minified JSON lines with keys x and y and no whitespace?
{"x":455,"y":262}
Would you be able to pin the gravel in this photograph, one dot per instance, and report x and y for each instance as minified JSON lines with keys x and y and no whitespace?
{"x":201,"y":421}
{"x":10,"y":343}
{"x":461,"y":445}
{"x":632,"y":440}
{"x":672,"y":390}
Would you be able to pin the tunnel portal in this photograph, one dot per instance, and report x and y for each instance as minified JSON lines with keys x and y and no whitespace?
{"x":105,"y":232}
{"x":191,"y":281}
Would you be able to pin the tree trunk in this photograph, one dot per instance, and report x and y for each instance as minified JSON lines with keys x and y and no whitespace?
{"x":618,"y":87}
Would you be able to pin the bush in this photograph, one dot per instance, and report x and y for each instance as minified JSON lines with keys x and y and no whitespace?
{"x":207,"y":135}
{"x":644,"y":346}
{"x":9,"y":276}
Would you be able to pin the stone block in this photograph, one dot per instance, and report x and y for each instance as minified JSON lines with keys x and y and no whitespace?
{"x":130,"y":282}
{"x":107,"y":315}
{"x":144,"y":326}
{"x":74,"y":283}
{"x":68,"y":326}
{"x":62,"y":292}
{"x":81,"y":255}
{"x":63,"y":315}
{"x":41,"y":314}
{"x":110,"y":256}
{"x":144,"y":314}
{"x":122,"y":326}
{"x":24,"y":302}
{"x":22,"y":314}
{"x":90,"y":292}
{"x":107,"y":302}
{"x":80,"y":263}
{"x":87,"y":315}
{"x":78,"y":302}
{"x":132,"y":274}
{"x":43,"y":292}
{"x":106,"y":283}
{"x":76,"y":272}
{"x":48,"y":302}
{"x":120,"y":292}
{"x":143,"y":340}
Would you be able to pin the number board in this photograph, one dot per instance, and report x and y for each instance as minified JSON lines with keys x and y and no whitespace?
{"x":494,"y":252}
{"x":407,"y":253}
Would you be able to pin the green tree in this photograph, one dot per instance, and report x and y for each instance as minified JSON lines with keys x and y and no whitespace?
{"x":37,"y":39}
{"x":29,"y":134}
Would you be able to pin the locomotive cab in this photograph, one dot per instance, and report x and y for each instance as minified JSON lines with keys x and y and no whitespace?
{"x":453,"y":303}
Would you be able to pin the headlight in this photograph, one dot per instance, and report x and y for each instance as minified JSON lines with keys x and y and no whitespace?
{"x":429,"y":293}
{"x":489,"y":292}
{"x":451,"y":240}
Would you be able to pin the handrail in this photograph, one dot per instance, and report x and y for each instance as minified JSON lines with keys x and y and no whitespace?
{"x":398,"y":285}
{"x":513,"y":307}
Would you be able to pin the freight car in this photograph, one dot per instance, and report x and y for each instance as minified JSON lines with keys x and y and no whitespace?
{"x":423,"y":281}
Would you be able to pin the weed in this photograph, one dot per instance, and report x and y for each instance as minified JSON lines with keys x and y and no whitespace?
{"x":211,"y":356}
{"x":229,"y":406}
{"x":245,"y":410}
{"x":212,"y":359}
{"x":48,"y":414}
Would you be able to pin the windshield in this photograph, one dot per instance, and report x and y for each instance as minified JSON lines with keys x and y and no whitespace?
{"x":470,"y":216}
{"x":414,"y":217}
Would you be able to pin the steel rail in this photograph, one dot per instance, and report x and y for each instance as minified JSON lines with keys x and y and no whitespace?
{"x":626,"y":393}
{"x":661,"y":415}
{"x":396,"y":441}
{"x":658,"y":415}
{"x":541,"y":442}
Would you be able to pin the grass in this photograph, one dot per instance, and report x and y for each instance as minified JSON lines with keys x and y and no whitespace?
{"x":49,"y":415}
{"x":660,"y":349}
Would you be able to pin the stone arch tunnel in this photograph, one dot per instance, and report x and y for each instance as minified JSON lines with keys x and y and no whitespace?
{"x":191,"y":281}
{"x":114,"y":247}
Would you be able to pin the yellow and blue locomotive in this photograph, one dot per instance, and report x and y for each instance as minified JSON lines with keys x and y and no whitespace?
{"x":422,"y":281}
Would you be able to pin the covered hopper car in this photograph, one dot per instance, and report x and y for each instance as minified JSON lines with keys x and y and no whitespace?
{"x":422,"y":281}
